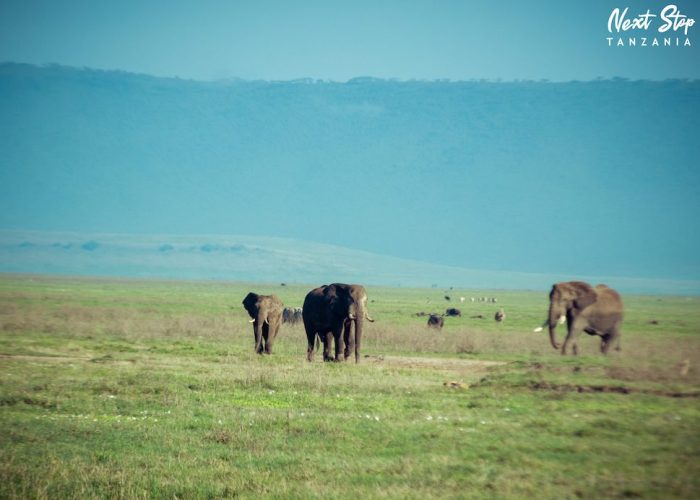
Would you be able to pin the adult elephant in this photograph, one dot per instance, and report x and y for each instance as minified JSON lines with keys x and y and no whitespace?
{"x":332,"y":310}
{"x":266,"y":315}
{"x":595,"y":310}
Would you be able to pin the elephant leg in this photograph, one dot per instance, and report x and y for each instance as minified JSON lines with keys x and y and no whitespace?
{"x":609,"y":339}
{"x":575,"y":328}
{"x":310,"y":346}
{"x":273,"y":335}
{"x":266,"y":338}
{"x":349,"y":338}
{"x":326,"y":339}
{"x":310,"y":337}
{"x":338,"y":339}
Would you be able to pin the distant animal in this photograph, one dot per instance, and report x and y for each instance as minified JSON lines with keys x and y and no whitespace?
{"x":478,"y":316}
{"x":435,"y":321}
{"x":447,"y":297}
{"x":473,"y":299}
{"x":595,"y":310}
{"x":454,"y":384}
{"x":283,"y":284}
{"x":421,"y":313}
{"x":452,"y":311}
{"x":462,"y":299}
{"x":500,"y":315}
{"x":335,"y":309}
{"x":266,"y":314}
{"x":291,"y":315}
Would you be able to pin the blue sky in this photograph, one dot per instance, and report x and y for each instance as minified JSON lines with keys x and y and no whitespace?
{"x":338,"y":40}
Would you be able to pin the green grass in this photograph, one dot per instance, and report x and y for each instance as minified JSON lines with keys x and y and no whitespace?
{"x":138,"y":389}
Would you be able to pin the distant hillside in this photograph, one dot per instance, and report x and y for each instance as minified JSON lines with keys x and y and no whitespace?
{"x":584,"y":178}
{"x":269,"y":260}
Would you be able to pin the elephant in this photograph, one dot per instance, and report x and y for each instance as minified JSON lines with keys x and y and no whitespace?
{"x":331,"y":310}
{"x":435,"y":321}
{"x":266,"y":314}
{"x":595,"y":310}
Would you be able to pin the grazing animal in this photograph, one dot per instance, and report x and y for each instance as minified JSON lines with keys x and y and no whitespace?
{"x":298,"y":315}
{"x":332,"y":310}
{"x":500,"y":315}
{"x":435,"y":321}
{"x":595,"y":310}
{"x":291,"y":315}
{"x":462,"y":299}
{"x":452,"y":311}
{"x":447,"y":297}
{"x":266,"y":314}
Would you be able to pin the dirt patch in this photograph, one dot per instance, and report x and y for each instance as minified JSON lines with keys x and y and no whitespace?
{"x":610,"y":389}
{"x":435,"y":363}
{"x":54,"y":359}
{"x":63,"y":359}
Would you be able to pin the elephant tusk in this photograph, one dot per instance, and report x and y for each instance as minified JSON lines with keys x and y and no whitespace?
{"x":351,"y":316}
{"x":540,"y":328}
{"x":369,"y":318}
{"x":562,"y":319}
{"x":267,"y":322}
{"x":252,"y":321}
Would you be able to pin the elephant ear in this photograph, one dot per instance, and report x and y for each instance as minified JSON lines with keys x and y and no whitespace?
{"x":585,"y":297}
{"x":249,"y":303}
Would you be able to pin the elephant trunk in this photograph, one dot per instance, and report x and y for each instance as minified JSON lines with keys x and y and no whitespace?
{"x":554,"y":318}
{"x":258,"y":333}
{"x":358,"y":336}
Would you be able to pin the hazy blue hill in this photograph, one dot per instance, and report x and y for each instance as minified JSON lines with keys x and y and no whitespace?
{"x":266,"y":259}
{"x":587,"y":178}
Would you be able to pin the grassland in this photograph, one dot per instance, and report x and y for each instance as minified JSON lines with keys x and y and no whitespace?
{"x":138,"y":389}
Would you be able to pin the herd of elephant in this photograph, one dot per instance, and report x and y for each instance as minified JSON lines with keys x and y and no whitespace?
{"x":336,"y":313}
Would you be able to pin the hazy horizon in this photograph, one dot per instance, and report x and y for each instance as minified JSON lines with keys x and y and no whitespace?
{"x":334,"y":40}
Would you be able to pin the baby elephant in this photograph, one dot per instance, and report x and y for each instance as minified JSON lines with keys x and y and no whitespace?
{"x":266,"y":314}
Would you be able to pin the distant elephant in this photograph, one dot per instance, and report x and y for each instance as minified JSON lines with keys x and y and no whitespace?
{"x":332,"y":310}
{"x":435,"y":321}
{"x":266,"y":314}
{"x":287,"y":315}
{"x":297,"y":317}
{"x":595,"y":310}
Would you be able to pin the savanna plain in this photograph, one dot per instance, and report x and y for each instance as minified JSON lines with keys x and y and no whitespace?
{"x":151,"y":389}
